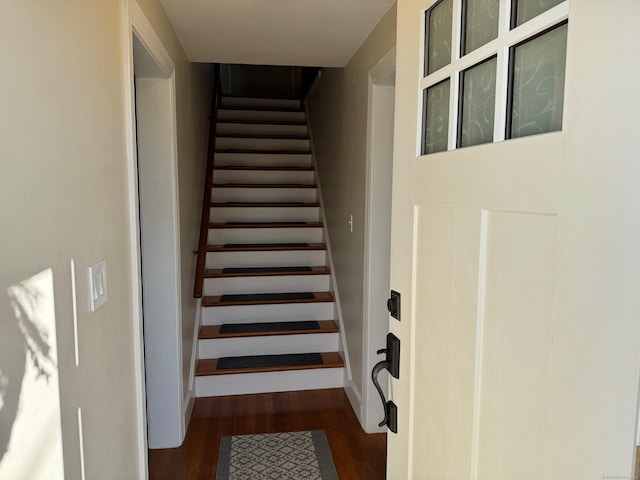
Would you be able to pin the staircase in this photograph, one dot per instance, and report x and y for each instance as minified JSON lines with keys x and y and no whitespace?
{"x":267,"y":309}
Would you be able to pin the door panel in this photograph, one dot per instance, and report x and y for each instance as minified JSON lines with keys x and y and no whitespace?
{"x":514,"y":331}
{"x":519,"y":269}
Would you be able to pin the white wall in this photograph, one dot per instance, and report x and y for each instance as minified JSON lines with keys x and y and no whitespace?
{"x":337,"y":110}
{"x":64,"y":196}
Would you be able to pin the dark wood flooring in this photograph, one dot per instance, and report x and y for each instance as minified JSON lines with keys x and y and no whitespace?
{"x":357,"y":455}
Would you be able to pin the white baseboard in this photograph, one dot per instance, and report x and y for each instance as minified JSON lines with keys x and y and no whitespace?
{"x":355,"y":399}
{"x":189,"y":402}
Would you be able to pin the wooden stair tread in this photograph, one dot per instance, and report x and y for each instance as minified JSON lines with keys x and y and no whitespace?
{"x":220,"y":273}
{"x":264,"y":185}
{"x":263,"y":151}
{"x":276,"y":168}
{"x":265,"y":204}
{"x":266,"y":247}
{"x":263,"y":136}
{"x":213,"y":331}
{"x":267,"y":299}
{"x":209,"y":366}
{"x":266,"y":225}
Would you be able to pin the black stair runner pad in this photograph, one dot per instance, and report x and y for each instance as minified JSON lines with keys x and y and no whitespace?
{"x":266,"y":270}
{"x":250,"y":297}
{"x":262,"y":361}
{"x":268,"y":327}
{"x":261,"y":245}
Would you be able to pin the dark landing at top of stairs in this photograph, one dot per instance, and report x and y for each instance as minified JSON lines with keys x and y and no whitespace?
{"x":259,"y":364}
{"x":267,"y":329}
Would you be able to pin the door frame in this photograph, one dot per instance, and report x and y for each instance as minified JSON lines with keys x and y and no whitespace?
{"x":134,"y":22}
{"x":375,"y":328}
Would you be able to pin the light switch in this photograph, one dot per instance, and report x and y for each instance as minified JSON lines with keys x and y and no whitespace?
{"x":97,"y":285}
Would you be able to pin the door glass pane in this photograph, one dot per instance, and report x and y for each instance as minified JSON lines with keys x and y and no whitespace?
{"x":435,"y":136}
{"x":480,"y":23}
{"x":438,"y":36}
{"x":477,"y":105}
{"x":525,"y":10}
{"x":537,"y":94}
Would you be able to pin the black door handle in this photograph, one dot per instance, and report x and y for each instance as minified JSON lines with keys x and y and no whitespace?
{"x":392,"y":364}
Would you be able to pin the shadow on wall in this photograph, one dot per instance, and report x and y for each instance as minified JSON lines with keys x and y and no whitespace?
{"x":30,"y":429}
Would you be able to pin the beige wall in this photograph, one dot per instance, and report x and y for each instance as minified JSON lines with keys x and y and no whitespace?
{"x":63,"y":192}
{"x":338,"y":115}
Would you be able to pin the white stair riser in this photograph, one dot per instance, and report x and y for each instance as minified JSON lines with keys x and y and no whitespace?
{"x":286,"y":312}
{"x":223,"y":143}
{"x":242,"y":194}
{"x":261,"y":115}
{"x":261,"y":129}
{"x":264,"y":214}
{"x":288,"y":258}
{"x":247,"y":383}
{"x":264,"y":235}
{"x":267,"y":284}
{"x":264,"y":159}
{"x":262,"y":176}
{"x":268,"y":345}
{"x":260,"y":102}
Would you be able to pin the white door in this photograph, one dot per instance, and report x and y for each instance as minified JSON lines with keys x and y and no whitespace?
{"x":517,"y":258}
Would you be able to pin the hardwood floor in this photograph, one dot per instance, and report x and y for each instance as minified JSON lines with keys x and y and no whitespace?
{"x":356,"y":454}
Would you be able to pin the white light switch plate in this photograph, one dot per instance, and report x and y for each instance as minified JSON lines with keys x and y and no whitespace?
{"x":97,"y":285}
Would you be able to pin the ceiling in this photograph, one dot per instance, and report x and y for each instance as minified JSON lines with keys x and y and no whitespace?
{"x":320,"y":33}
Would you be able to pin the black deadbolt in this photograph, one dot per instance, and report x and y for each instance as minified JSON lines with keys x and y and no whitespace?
{"x":393,"y":305}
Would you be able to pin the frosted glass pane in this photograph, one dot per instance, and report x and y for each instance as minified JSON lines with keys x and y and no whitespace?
{"x":538,"y":84}
{"x":480,"y":23}
{"x":478,"y":104}
{"x":438,"y":49}
{"x":436,"y":118}
{"x":525,"y":10}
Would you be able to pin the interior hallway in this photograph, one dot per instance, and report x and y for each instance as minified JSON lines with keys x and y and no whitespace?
{"x":356,"y":454}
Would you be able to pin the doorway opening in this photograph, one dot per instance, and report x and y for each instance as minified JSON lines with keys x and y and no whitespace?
{"x":378,"y":228}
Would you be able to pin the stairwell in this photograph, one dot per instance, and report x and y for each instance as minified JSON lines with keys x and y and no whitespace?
{"x":268,"y":311}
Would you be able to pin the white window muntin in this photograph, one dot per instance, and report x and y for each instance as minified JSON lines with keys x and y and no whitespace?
{"x":499,"y":47}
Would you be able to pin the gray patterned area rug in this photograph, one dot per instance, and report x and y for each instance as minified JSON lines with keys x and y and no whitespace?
{"x":276,"y":456}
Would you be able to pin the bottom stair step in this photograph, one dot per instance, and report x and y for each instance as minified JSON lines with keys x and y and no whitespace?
{"x":268,"y":363}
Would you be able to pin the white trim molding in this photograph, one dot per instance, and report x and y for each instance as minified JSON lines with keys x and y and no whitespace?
{"x":372,"y":230}
{"x":134,"y":240}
